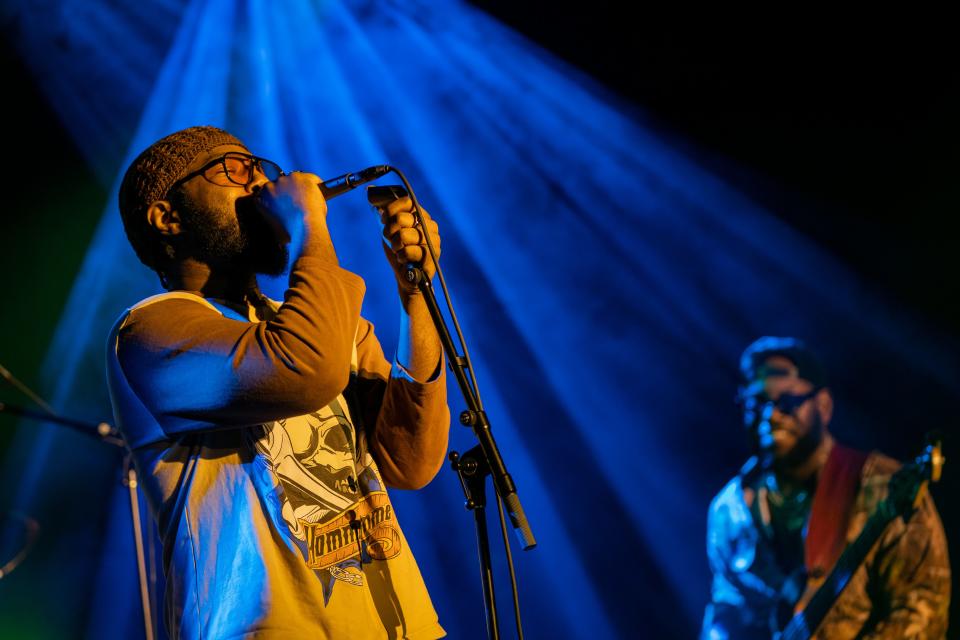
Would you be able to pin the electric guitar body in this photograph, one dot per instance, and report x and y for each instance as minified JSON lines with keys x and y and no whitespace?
{"x":906,"y":490}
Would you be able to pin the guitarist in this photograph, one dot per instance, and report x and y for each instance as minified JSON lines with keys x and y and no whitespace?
{"x":776,"y":530}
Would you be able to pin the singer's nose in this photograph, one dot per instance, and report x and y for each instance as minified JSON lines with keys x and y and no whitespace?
{"x":258,"y":179}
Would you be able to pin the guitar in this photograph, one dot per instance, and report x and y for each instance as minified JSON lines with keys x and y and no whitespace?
{"x":906,"y":490}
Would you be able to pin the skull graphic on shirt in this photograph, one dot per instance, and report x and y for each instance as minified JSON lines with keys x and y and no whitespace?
{"x":313,"y":457}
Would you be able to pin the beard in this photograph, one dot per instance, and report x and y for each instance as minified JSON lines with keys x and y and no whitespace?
{"x":805,"y":446}
{"x":232,"y":240}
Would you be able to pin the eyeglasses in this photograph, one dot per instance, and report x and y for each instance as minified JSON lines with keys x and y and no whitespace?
{"x":786,"y":403}
{"x":234,"y":169}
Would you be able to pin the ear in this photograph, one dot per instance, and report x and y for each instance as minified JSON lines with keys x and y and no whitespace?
{"x":164,"y":218}
{"x":824,"y":404}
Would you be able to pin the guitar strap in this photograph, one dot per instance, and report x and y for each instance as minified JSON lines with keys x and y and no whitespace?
{"x":833,"y":503}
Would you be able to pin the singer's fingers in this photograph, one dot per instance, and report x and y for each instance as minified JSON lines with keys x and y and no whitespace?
{"x":288,"y":198}
{"x":417,"y":254}
{"x":410,"y":253}
{"x":405,"y":238}
{"x":405,"y":215}
{"x":387,"y":213}
{"x":434,"y":232}
{"x":398,"y":205}
{"x":397,"y":235}
{"x":392,"y":224}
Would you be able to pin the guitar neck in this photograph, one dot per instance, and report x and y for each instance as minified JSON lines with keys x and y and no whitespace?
{"x":906,"y":488}
{"x":805,"y":622}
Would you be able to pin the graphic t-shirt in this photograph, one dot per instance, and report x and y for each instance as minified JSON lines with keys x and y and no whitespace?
{"x":331,"y":496}
{"x":272,"y":527}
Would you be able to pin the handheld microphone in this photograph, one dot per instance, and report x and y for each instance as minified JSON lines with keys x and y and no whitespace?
{"x":765,"y":429}
{"x":349,"y":181}
{"x":764,"y":433}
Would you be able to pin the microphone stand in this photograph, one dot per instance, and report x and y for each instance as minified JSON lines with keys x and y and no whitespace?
{"x":104,"y":433}
{"x":483,"y":460}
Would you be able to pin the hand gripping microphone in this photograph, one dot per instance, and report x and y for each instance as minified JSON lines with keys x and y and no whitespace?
{"x":349,"y":181}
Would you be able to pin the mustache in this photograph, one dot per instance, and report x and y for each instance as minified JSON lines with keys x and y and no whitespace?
{"x":773,"y":426}
{"x":779,"y":426}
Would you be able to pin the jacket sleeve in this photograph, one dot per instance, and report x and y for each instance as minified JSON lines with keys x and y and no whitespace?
{"x":195,"y":369}
{"x":912,"y":572}
{"x":407,"y":421}
{"x":739,"y":600}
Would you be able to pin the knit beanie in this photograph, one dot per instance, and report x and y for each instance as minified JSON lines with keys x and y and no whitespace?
{"x":154,"y":171}
{"x":149,"y":177}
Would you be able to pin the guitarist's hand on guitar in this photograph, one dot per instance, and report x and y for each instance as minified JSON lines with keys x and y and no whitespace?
{"x":906,"y":490}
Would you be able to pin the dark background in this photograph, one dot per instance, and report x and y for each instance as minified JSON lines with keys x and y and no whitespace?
{"x":845,"y":129}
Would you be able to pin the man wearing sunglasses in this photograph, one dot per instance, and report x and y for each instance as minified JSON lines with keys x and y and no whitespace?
{"x":777,"y":529}
{"x":265,"y":432}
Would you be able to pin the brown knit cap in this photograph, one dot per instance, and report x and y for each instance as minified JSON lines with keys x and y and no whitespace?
{"x":150,"y":176}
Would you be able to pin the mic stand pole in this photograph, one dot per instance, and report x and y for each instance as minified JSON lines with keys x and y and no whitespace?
{"x":479,"y":462}
{"x":473,"y":471}
{"x":130,"y":481}
{"x":105,"y":433}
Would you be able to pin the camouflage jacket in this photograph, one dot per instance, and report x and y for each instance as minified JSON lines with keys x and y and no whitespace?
{"x":902,"y":590}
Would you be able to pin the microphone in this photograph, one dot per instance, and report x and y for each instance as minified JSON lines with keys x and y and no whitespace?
{"x":349,"y":181}
{"x":765,"y":441}
{"x":764,"y":428}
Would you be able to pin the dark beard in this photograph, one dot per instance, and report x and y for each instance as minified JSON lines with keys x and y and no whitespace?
{"x":805,"y":446}
{"x":251,"y":244}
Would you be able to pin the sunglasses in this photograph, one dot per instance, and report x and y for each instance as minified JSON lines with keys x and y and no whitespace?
{"x":753,"y":405}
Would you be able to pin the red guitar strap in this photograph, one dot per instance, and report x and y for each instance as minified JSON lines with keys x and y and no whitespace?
{"x":832,"y":504}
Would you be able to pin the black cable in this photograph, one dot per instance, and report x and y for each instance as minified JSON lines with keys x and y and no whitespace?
{"x":513,"y":575}
{"x":443,"y":283}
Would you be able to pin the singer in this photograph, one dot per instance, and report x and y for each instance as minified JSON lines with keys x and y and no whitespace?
{"x":265,"y":433}
{"x":778,"y":528}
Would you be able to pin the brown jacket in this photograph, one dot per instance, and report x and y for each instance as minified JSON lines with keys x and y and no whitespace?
{"x":902,"y":590}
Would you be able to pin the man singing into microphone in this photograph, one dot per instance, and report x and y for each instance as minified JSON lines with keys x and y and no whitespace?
{"x":265,"y":433}
{"x":776,"y":530}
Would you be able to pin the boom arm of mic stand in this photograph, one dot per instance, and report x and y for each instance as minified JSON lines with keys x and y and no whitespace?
{"x":102,"y":431}
{"x":474,"y":416}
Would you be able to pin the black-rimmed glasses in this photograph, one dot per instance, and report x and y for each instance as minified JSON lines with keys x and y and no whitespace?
{"x":786,"y":403}
{"x":234,"y":168}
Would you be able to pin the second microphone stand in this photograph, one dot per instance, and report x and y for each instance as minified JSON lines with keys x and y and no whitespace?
{"x":104,"y":433}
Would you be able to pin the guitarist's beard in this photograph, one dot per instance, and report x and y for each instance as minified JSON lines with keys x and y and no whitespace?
{"x":805,"y":447}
